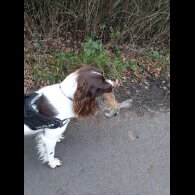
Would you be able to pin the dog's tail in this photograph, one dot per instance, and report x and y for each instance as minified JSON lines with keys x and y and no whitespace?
{"x":41,"y":148}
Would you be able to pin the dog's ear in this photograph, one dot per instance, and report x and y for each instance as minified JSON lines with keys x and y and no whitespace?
{"x":95,"y":91}
{"x":84,"y":101}
{"x":82,"y":91}
{"x":87,"y":88}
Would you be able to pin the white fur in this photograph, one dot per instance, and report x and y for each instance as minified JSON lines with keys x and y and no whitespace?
{"x":111,"y":82}
{"x":58,"y":97}
{"x":47,"y":138}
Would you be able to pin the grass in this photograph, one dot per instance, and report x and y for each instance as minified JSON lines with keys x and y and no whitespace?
{"x":92,"y":52}
{"x":55,"y":66}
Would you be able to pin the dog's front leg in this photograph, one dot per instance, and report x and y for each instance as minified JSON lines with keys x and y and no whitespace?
{"x":61,"y":137}
{"x":46,"y":149}
{"x":50,"y":151}
{"x":53,"y":136}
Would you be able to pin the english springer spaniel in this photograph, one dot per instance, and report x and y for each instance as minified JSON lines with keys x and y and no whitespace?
{"x":48,"y":111}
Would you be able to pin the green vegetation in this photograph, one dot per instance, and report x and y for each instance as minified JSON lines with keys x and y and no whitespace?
{"x":124,"y":39}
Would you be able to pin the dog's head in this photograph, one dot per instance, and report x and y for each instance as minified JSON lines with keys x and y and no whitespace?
{"x":90,"y":84}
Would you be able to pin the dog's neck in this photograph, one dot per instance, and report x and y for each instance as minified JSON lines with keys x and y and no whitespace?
{"x":65,"y":95}
{"x":69,"y":86}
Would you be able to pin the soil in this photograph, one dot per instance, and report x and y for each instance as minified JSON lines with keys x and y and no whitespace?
{"x":153,"y":96}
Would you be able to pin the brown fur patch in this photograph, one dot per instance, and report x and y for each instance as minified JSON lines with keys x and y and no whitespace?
{"x":89,"y":86}
{"x":44,"y":107}
{"x":85,"y":107}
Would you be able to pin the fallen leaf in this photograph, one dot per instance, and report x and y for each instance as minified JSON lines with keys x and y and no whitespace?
{"x":136,"y":74}
{"x":150,"y":168}
{"x":130,"y":135}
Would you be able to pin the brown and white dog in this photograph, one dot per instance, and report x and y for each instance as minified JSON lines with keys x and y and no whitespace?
{"x":74,"y":97}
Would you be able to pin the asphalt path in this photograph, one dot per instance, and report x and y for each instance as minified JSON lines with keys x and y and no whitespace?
{"x":125,"y":155}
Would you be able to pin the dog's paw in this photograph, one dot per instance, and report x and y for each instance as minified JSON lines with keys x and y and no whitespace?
{"x":55,"y":163}
{"x":60,"y":138}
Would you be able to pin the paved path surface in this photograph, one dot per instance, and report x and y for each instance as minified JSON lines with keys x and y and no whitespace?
{"x":125,"y":155}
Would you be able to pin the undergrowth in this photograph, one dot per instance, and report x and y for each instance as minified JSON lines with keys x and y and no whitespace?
{"x":92,"y":52}
{"x":124,"y":39}
{"x":118,"y":21}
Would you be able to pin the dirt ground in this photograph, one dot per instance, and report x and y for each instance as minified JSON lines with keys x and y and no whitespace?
{"x":154,"y":96}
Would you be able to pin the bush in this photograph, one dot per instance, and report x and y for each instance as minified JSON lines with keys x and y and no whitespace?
{"x":138,"y":21}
